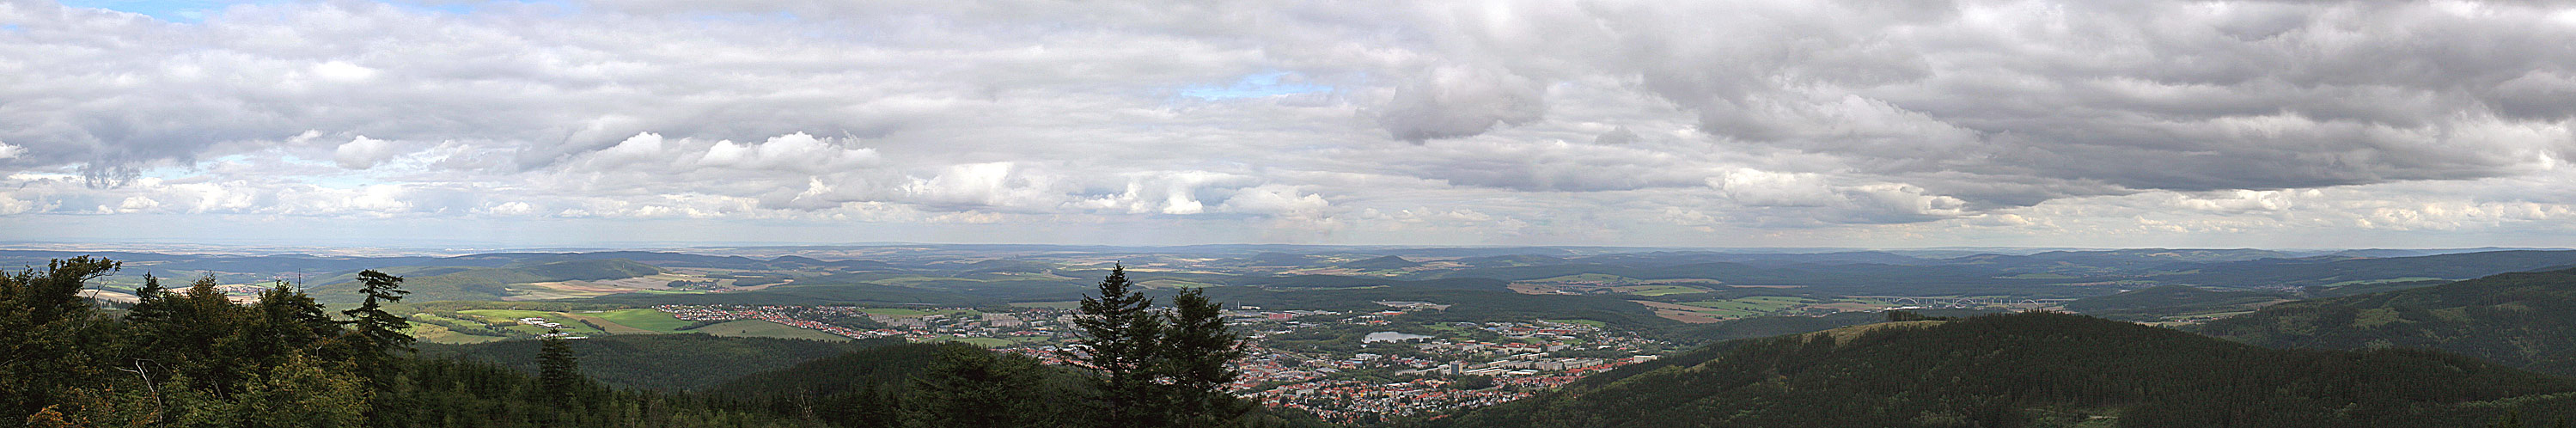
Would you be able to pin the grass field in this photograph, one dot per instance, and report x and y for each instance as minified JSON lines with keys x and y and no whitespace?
{"x":758,"y":328}
{"x":1585,"y":277}
{"x":646,"y":319}
{"x":1661,"y":290}
{"x":984,"y":342}
{"x":901,"y":312}
{"x":434,"y":333}
{"x":1594,"y":324}
{"x":1056,"y":305}
{"x":508,"y":319}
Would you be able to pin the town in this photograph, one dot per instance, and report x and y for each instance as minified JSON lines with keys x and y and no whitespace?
{"x":1343,"y":366}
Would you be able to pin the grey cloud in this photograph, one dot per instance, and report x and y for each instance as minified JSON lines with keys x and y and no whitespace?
{"x":1451,"y":102}
{"x":1618,"y":135}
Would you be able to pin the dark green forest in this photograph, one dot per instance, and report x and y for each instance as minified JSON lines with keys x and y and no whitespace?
{"x":2525,"y":320}
{"x":668,"y":362}
{"x":2036,"y":370}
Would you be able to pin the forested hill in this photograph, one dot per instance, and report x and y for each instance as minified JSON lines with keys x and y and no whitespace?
{"x":2525,"y":319}
{"x":2037,"y":370}
{"x":670,"y":362}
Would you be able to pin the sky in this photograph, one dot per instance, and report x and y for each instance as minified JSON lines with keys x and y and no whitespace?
{"x":1876,"y":123}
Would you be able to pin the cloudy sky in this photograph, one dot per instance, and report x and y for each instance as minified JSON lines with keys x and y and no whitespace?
{"x":1866,"y":123}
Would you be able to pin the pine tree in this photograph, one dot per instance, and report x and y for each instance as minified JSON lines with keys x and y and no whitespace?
{"x":379,"y":335}
{"x":1197,"y":353}
{"x":1120,"y":340}
{"x":558,"y":370}
{"x":377,"y":329}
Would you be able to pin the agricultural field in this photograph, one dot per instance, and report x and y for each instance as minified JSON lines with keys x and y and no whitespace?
{"x":759,"y":328}
{"x":492,"y":324}
{"x":646,"y":319}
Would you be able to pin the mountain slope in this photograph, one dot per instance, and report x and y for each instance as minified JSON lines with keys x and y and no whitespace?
{"x":2152,"y":303}
{"x":1382,"y":263}
{"x":2523,"y":319}
{"x":484,"y":283}
{"x":2035,"y":369}
{"x":661,"y":361}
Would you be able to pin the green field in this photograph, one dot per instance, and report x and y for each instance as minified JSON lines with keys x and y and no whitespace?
{"x":1055,"y":305}
{"x":647,"y":319}
{"x":1594,"y":324}
{"x":1585,"y":277}
{"x":759,"y":328}
{"x":508,"y":319}
{"x":901,"y":312}
{"x":1750,"y":306}
{"x":1662,"y":290}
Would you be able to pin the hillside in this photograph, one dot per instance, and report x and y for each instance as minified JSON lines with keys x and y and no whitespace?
{"x":2524,"y":320}
{"x":2153,"y":303}
{"x":661,"y":361}
{"x":1382,"y":263}
{"x":486,"y":283}
{"x":2035,"y":369}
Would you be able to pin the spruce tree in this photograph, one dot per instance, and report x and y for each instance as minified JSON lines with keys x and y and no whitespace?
{"x":377,"y":329}
{"x":379,"y":335}
{"x":1121,"y":340}
{"x":558,"y":370}
{"x":1197,"y":353}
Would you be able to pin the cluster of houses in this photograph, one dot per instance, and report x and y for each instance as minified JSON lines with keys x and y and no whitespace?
{"x":954,"y":323}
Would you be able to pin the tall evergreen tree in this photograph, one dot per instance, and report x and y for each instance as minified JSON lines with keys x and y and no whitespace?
{"x":558,"y":369}
{"x":1121,"y":340}
{"x":378,"y":336}
{"x":1197,"y":353}
{"x":376,"y":328}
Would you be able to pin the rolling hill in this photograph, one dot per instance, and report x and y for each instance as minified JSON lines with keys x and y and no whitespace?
{"x":484,"y":283}
{"x":2525,"y":319}
{"x":661,"y":361}
{"x":2153,"y":303}
{"x":1381,"y":263}
{"x":2036,"y":370}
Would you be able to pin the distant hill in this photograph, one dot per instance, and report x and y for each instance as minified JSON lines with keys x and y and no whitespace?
{"x":2524,"y":320}
{"x":1511,"y":260}
{"x":2156,"y":302}
{"x":661,"y":361}
{"x":2316,"y":271}
{"x":470,"y":283}
{"x":2110,"y":261}
{"x":2034,"y":369}
{"x":1382,"y":263}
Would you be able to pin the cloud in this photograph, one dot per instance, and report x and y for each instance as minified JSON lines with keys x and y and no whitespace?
{"x":1449,"y":102}
{"x":1584,"y":122}
{"x":363,"y":152}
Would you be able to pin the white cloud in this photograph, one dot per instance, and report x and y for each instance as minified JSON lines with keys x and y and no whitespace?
{"x":363,"y":152}
{"x":1460,"y":122}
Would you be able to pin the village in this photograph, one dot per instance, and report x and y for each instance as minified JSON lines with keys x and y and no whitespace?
{"x":1342,"y":366}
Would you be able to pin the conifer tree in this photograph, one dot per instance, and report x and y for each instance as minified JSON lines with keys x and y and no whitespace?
{"x":558,"y":370}
{"x":1121,"y":340}
{"x":1197,"y":350}
{"x":379,"y":335}
{"x":377,"y":329}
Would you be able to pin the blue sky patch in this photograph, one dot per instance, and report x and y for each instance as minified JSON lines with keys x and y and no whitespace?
{"x":166,"y":10}
{"x":1253,"y":86}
